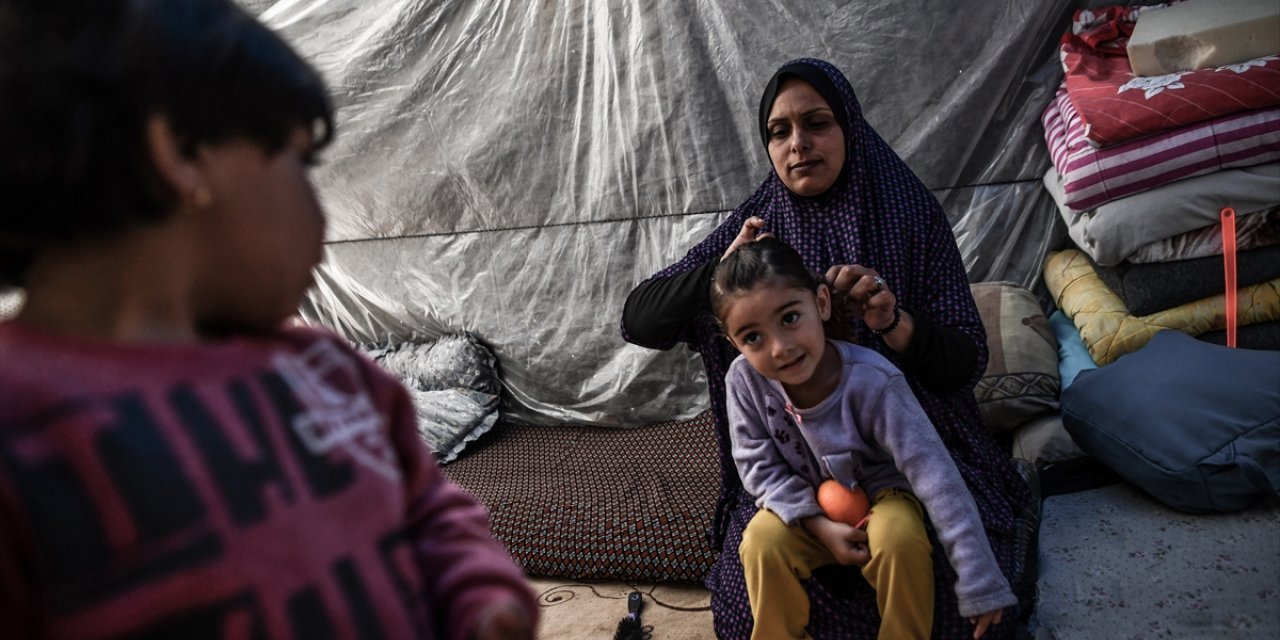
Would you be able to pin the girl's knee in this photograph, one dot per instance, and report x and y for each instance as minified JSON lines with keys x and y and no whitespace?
{"x":900,"y":544}
{"x":903,"y":546}
{"x":766,"y":534}
{"x":897,"y":527}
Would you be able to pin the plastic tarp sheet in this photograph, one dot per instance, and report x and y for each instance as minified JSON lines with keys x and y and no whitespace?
{"x":513,"y":168}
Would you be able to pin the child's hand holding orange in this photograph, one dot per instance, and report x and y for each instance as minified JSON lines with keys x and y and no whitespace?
{"x":842,"y":504}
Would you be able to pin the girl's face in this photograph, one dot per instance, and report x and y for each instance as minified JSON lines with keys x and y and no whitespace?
{"x":778,"y":327}
{"x":806,"y":144}
{"x":263,"y":232}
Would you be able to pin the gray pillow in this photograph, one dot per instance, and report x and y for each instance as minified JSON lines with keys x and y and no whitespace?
{"x":453,"y":381}
{"x":450,"y":419}
{"x":1021,"y":380}
{"x":1044,"y":441}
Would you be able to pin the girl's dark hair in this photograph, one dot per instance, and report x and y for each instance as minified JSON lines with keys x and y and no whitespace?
{"x":772,"y":259}
{"x":80,"y":78}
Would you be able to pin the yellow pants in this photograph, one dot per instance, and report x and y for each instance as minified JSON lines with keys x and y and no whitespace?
{"x":776,"y":557}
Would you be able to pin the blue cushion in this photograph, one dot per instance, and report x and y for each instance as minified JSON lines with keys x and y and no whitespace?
{"x":1194,"y":424}
{"x":1073,"y":356}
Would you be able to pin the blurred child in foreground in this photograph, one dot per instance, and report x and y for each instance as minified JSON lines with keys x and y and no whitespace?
{"x":177,"y":459}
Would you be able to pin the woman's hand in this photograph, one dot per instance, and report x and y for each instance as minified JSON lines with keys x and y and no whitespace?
{"x":985,"y":620}
{"x":752,"y":230}
{"x":504,"y":619}
{"x":847,"y":544}
{"x":870,"y":298}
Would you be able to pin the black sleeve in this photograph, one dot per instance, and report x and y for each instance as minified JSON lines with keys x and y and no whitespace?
{"x":943,"y":358}
{"x":659,"y":309}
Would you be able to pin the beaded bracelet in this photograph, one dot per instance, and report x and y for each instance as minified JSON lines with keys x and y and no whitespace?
{"x":897,"y":315}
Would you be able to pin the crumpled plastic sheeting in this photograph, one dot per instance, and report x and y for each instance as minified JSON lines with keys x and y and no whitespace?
{"x":514,"y":168}
{"x":454,"y":387}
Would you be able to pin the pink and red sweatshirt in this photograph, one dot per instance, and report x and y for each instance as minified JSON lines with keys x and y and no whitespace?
{"x":259,"y":487}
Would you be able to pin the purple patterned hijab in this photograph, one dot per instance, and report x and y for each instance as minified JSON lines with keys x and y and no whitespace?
{"x":878,"y":214}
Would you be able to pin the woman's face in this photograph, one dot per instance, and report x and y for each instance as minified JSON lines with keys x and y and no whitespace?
{"x":806,"y":144}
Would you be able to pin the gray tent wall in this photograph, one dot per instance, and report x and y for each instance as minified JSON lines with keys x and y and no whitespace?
{"x":513,"y":168}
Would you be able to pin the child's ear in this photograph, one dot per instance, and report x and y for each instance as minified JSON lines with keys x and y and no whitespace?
{"x":823,"y":295}
{"x":174,"y":163}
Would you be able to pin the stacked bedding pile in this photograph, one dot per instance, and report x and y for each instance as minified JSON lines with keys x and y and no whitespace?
{"x":1143,"y":167}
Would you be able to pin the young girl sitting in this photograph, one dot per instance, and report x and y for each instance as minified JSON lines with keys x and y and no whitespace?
{"x":804,"y":408}
{"x":177,"y":459}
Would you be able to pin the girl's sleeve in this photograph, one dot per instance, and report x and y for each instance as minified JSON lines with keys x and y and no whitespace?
{"x":900,"y":425}
{"x":764,"y":472}
{"x":465,"y":567}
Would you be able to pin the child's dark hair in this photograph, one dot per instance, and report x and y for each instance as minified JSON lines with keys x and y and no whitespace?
{"x":79,"y":81}
{"x":772,"y":259}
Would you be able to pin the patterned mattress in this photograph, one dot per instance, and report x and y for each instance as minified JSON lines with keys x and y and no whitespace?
{"x":591,"y":503}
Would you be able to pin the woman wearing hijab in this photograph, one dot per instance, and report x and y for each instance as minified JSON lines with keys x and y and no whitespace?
{"x":857,"y":213}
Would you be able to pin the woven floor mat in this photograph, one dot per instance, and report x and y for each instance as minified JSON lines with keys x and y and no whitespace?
{"x":591,"y":503}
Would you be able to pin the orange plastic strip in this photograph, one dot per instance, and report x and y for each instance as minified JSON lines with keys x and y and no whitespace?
{"x":1228,"y":216}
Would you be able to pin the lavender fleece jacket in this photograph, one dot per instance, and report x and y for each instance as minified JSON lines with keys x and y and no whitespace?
{"x":870,"y":431}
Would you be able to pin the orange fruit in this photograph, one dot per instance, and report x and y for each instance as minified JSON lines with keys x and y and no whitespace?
{"x":842,"y":504}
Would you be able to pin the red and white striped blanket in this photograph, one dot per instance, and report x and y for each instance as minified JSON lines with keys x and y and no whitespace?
{"x":1092,"y":176}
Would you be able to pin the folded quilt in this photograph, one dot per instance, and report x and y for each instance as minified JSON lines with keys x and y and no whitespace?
{"x":1253,"y":231}
{"x":1149,"y":288}
{"x":1114,"y":105}
{"x":1259,"y":335}
{"x":1092,"y":177}
{"x":1114,"y":231}
{"x":1110,"y":331}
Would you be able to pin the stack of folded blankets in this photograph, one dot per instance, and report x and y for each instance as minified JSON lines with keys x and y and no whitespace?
{"x":1144,"y":165}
